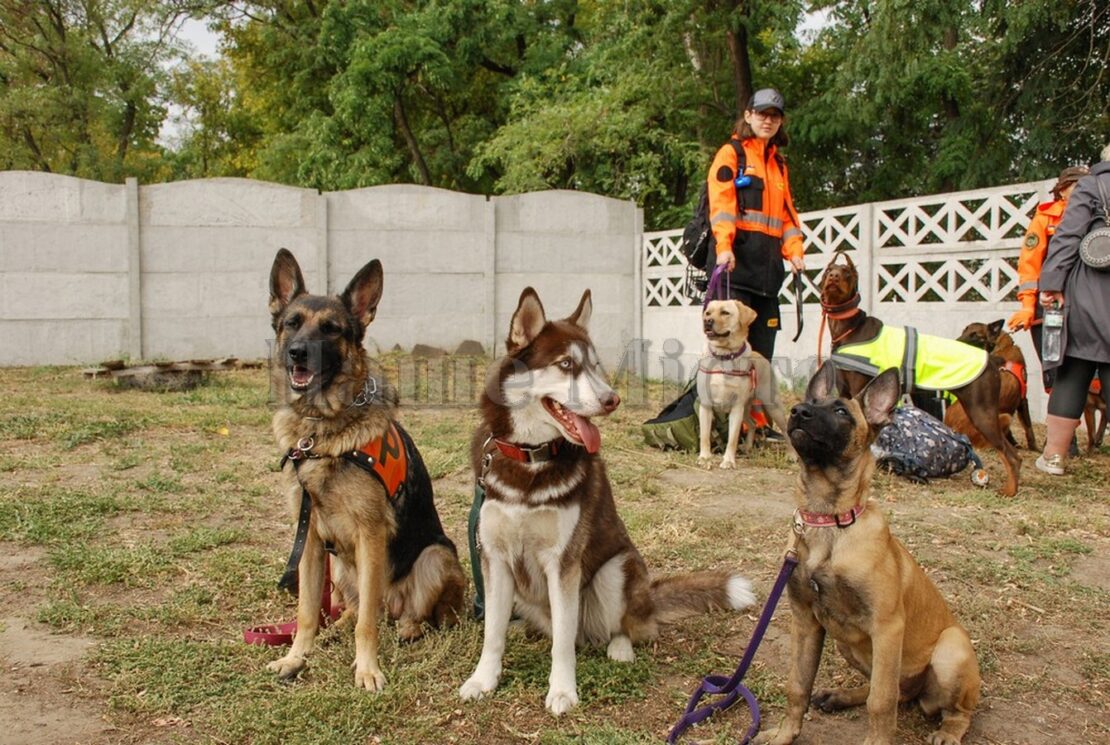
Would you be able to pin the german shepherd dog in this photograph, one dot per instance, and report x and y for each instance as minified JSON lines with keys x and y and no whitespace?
{"x":388,"y":547}
{"x":1012,"y":386}
{"x":839,"y":286}
{"x":857,"y":583}
{"x":551,"y":538}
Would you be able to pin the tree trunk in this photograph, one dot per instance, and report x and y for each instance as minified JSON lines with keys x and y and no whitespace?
{"x":406,"y":132}
{"x":741,"y":66}
{"x":951,"y":105}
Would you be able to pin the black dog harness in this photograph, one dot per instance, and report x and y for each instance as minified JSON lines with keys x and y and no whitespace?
{"x":385,"y":458}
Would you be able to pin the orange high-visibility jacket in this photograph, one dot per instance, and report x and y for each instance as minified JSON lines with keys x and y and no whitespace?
{"x":767,"y":230}
{"x":1034,"y":247}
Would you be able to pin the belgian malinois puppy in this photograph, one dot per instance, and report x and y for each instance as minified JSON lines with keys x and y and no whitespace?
{"x":857,"y":583}
{"x":369,"y":493}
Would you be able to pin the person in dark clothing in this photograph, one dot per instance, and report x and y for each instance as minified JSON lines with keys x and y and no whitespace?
{"x":751,"y":212}
{"x":1084,"y":294}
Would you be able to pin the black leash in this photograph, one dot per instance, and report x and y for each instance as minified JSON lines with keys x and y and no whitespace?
{"x":798,"y":289}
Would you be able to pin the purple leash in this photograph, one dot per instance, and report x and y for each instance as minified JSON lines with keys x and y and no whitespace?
{"x":718,"y":288}
{"x":730,"y":688}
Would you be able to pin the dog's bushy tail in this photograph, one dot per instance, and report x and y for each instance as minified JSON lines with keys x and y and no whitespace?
{"x":684,"y":595}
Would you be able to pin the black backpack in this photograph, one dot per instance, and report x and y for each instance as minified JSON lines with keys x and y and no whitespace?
{"x":697,"y":236}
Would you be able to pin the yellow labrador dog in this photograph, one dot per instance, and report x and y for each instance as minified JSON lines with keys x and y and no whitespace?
{"x":730,"y":375}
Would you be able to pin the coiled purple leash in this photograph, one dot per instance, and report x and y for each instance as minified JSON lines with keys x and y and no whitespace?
{"x":730,"y":688}
{"x":718,"y":288}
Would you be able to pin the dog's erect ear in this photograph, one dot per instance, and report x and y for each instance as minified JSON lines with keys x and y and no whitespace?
{"x":849,"y":260}
{"x":995,"y":328}
{"x":746,"y":314}
{"x":823,"y":384}
{"x":581,"y":315}
{"x":879,"y":397}
{"x":363,"y":293}
{"x":286,"y":281}
{"x":528,"y":321}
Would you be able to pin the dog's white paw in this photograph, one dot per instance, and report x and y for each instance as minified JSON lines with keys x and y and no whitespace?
{"x":559,"y":702}
{"x":287,"y":667}
{"x":620,"y":649}
{"x":372,"y":679}
{"x":727,"y":463}
{"x":705,"y":461}
{"x":477,"y":685}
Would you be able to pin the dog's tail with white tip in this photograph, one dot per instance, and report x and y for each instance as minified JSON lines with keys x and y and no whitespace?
{"x":684,"y":595}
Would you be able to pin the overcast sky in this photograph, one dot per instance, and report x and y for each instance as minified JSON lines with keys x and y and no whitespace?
{"x":197,"y":34}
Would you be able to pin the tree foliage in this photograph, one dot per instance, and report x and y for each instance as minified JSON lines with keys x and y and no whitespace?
{"x":81,"y":85}
{"x":885,"y":98}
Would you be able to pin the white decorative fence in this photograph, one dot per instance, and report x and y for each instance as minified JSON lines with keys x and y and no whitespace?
{"x":937,"y":263}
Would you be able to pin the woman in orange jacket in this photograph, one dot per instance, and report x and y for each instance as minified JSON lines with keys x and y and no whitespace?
{"x":751,"y":212}
{"x":1034,"y":247}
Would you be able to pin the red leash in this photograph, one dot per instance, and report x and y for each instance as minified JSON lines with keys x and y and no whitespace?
{"x":281,"y":634}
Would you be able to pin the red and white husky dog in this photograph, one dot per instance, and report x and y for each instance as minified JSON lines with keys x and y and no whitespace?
{"x":550,"y":536}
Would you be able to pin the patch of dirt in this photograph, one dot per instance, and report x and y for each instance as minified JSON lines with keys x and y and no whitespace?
{"x":39,"y":692}
{"x":1093,"y":570}
{"x":716,"y":494}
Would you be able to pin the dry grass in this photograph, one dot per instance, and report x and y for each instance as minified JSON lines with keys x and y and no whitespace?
{"x":138,"y":524}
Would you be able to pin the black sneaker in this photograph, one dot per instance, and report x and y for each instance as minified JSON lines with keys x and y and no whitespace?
{"x":771,"y":435}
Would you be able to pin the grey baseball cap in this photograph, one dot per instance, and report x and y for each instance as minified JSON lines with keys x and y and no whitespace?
{"x":767,"y":98}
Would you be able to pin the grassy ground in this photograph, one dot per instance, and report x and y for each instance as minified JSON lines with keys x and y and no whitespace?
{"x":140,"y":532}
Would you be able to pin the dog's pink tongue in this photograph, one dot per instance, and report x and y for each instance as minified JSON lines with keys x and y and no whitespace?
{"x":588,"y":431}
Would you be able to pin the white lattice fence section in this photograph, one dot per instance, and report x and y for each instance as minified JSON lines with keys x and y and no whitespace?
{"x":952,"y":248}
{"x":664,"y":270}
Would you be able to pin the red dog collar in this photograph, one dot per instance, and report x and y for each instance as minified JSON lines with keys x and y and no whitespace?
{"x":530,"y":453}
{"x":825,"y":520}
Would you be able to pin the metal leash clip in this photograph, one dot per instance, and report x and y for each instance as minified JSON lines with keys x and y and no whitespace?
{"x":368,"y":393}
{"x":303,"y":449}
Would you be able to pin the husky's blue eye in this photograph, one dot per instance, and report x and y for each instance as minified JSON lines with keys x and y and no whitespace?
{"x":565,"y":364}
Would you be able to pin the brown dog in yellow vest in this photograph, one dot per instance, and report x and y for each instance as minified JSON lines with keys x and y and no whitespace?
{"x":858,"y":584}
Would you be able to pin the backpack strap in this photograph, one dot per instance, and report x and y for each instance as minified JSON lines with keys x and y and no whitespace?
{"x":909,"y":357}
{"x":1105,"y":199}
{"x":741,"y":166}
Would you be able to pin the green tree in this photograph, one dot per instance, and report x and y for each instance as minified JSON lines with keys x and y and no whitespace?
{"x":912,"y":97}
{"x":637,"y":110}
{"x":79,"y":85}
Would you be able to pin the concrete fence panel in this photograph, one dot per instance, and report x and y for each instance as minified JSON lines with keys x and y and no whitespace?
{"x":64,"y":259}
{"x":436,"y":250}
{"x":207,"y":248}
{"x":562,"y":243}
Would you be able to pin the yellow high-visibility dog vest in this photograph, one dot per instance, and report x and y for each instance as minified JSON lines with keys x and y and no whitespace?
{"x":940,"y":364}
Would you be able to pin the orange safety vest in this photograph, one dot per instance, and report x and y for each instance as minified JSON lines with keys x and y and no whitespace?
{"x":768,"y":206}
{"x":1034,"y":247}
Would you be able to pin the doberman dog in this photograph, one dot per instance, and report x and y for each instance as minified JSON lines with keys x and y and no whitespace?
{"x":848,"y":324}
{"x":1012,"y":387}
